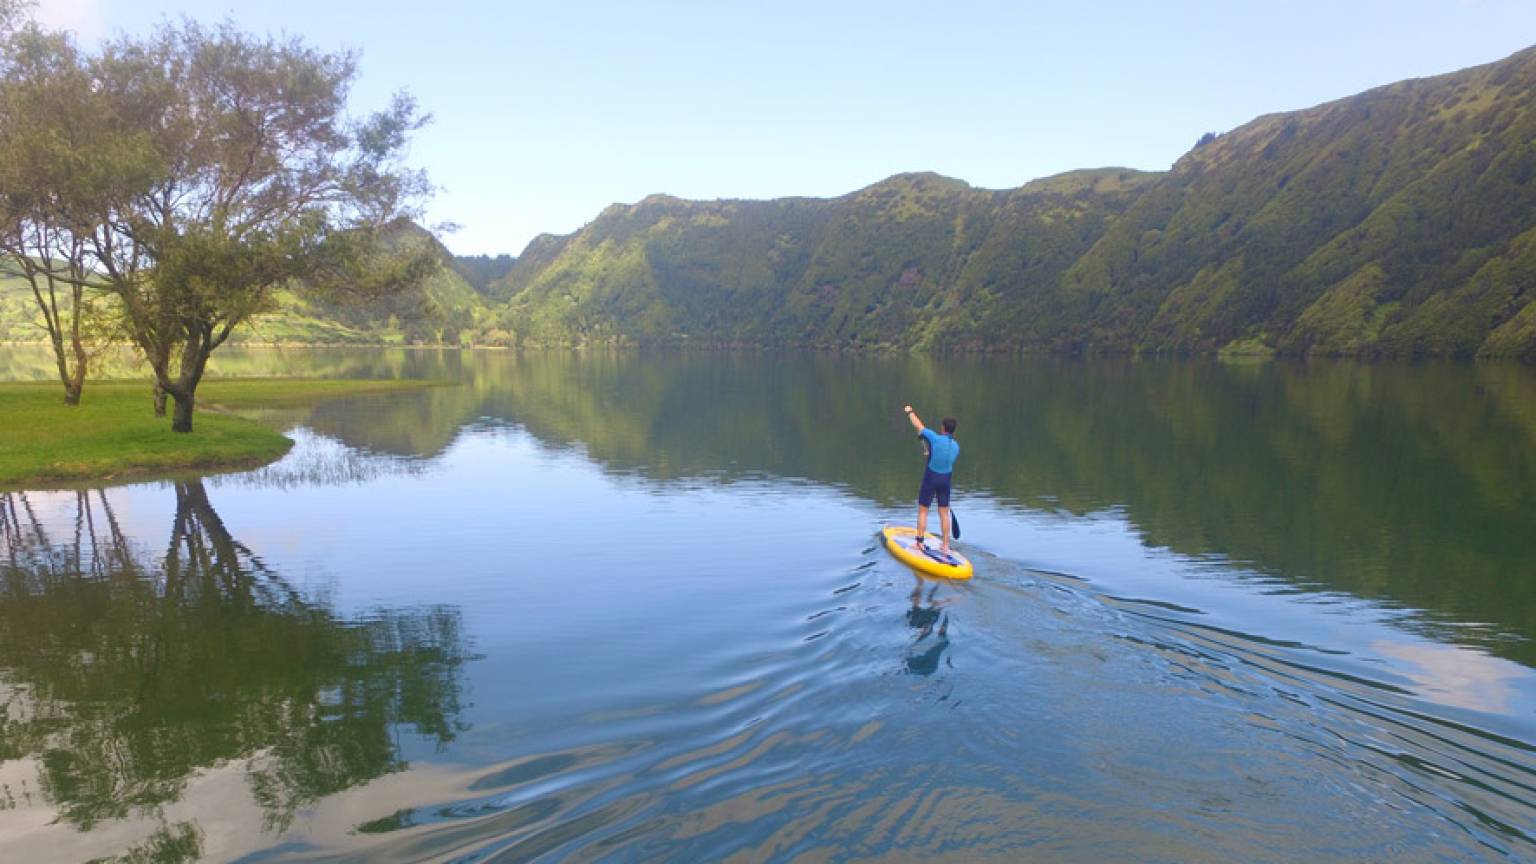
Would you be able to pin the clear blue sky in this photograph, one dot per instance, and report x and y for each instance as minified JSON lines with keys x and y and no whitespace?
{"x":548,"y":111}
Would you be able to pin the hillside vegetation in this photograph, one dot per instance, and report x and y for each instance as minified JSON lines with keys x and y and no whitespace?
{"x":1399,"y":222}
{"x":442,"y":309}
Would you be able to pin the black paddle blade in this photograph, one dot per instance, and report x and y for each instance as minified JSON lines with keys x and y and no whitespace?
{"x":954,"y":525}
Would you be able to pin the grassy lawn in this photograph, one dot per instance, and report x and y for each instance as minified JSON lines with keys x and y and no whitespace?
{"x":113,"y":432}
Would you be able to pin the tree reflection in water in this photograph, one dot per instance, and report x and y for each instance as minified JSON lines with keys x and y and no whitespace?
{"x":124,"y":671}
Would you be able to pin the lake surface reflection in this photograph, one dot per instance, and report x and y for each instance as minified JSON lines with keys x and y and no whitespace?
{"x":632,"y":607}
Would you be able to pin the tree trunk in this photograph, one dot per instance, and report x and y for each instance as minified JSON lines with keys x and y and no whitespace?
{"x":194,"y":359}
{"x":71,"y":393}
{"x":159,"y":400}
{"x":76,"y":381}
{"x":212,"y":554}
{"x":48,"y":303}
{"x":181,"y":421}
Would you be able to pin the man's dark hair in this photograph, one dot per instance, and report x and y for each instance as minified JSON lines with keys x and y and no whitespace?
{"x":949,"y":425}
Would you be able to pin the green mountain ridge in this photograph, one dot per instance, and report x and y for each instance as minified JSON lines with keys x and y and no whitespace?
{"x":894,"y":265}
{"x":1398,"y":222}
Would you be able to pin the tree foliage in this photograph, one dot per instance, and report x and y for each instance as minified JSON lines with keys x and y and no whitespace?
{"x":266,"y":183}
{"x":194,"y":173}
{"x":59,"y":172}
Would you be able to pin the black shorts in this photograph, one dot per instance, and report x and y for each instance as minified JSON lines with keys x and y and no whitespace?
{"x":934,"y":485}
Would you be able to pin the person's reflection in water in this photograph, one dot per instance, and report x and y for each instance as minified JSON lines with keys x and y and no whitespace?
{"x":924,"y":655}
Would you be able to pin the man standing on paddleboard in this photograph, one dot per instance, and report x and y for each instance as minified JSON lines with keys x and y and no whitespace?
{"x":943,"y":450}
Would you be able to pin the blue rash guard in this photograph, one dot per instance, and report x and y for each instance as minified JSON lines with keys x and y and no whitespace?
{"x":943,"y":450}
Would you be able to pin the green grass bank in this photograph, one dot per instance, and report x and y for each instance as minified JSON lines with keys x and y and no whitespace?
{"x":113,"y":432}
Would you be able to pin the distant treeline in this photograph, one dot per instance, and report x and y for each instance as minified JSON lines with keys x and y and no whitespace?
{"x":481,"y":270}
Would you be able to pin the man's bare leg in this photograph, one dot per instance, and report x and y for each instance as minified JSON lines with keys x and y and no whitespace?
{"x":922,"y":523}
{"x":944,"y":528}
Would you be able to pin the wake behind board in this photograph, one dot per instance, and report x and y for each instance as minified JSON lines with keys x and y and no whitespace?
{"x":902,"y":543}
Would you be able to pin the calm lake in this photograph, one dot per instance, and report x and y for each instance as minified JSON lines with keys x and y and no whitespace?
{"x":631,"y":607}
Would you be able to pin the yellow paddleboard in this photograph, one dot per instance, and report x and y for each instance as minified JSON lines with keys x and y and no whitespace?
{"x":902,"y":542}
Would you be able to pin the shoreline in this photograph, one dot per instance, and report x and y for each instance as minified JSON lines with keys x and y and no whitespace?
{"x":1244,"y":353}
{"x":113,"y":437}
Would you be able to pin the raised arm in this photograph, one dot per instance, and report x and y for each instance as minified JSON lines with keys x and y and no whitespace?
{"x":917,"y":422}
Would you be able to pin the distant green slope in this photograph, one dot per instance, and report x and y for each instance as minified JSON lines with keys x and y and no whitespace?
{"x":916,"y":261}
{"x":18,"y":311}
{"x":444,"y":309}
{"x":1398,"y":222}
{"x":480,"y":270}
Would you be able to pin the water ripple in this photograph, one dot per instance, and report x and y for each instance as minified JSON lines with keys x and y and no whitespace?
{"x":1072,"y":725}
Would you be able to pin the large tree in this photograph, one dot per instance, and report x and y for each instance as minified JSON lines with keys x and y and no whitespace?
{"x":265,"y":182}
{"x":59,"y":171}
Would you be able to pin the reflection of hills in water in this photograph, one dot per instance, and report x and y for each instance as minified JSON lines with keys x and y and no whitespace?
{"x":1413,"y":484}
{"x":36,"y":363}
{"x":1408,"y":484}
{"x":127,"y":671}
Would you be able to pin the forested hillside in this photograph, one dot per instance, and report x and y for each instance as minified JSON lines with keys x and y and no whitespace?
{"x":908,"y":262}
{"x":443,"y":309}
{"x":1398,"y":222}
